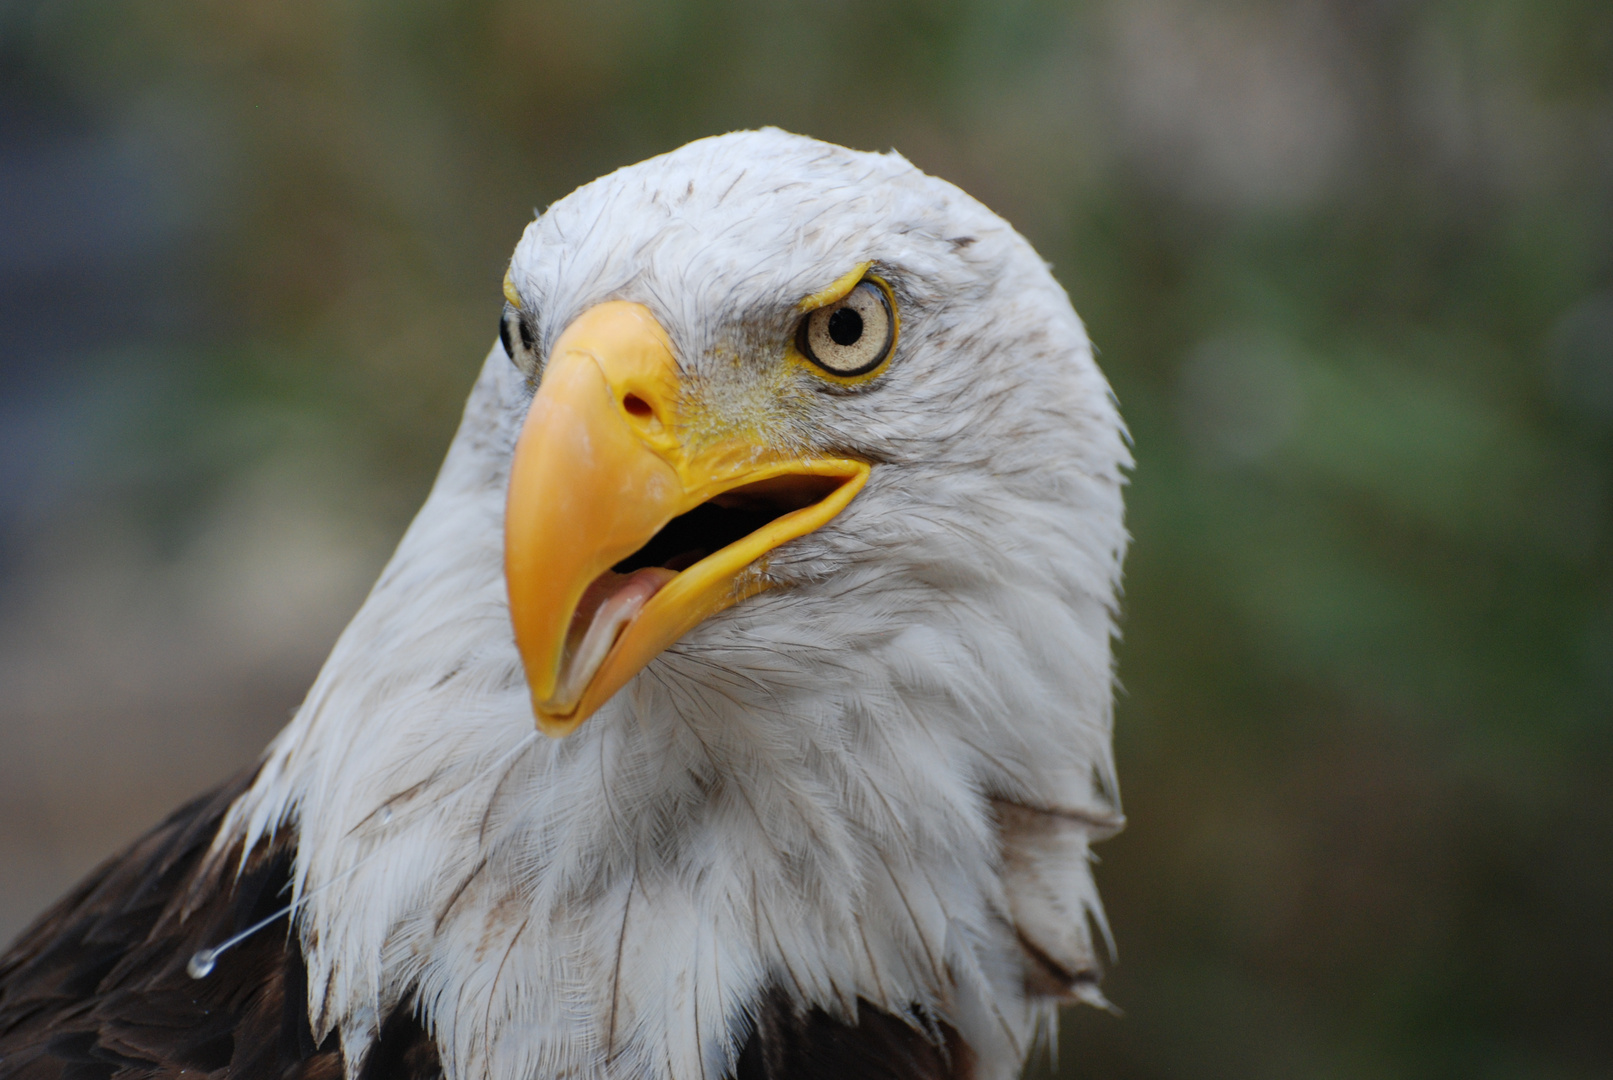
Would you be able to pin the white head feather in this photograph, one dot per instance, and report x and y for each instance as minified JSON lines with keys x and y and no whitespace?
{"x":799,"y":793}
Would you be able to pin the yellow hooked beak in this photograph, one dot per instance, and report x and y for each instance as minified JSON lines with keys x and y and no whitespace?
{"x":622,"y":531}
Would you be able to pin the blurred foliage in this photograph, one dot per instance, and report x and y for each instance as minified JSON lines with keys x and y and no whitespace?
{"x":1350,"y":267}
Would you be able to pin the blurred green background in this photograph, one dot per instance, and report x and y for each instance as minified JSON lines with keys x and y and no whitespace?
{"x":1349,"y":264}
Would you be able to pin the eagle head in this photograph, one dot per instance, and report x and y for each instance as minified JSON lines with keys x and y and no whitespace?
{"x":751,"y":651}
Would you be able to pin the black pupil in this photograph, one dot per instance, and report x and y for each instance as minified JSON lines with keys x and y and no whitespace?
{"x":845,"y":326}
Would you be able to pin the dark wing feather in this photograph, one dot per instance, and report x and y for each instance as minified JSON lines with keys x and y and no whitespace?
{"x":787,"y":1045}
{"x":97,"y":989}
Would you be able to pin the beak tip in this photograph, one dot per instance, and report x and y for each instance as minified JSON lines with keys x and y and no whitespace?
{"x":555,"y":726}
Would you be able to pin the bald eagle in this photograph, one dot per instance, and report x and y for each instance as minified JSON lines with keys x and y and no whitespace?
{"x":737,"y":705}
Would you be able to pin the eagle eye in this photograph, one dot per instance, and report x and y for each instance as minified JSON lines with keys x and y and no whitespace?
{"x":519,"y":344}
{"x":852,"y":336}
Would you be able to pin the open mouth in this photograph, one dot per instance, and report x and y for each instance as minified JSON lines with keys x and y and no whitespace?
{"x":616,"y":597}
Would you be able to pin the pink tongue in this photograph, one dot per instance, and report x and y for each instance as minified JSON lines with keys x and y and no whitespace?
{"x":609,"y":604}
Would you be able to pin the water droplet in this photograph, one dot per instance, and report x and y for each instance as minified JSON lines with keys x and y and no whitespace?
{"x":201,"y":963}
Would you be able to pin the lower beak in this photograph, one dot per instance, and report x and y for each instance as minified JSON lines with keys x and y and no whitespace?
{"x":622,"y":533}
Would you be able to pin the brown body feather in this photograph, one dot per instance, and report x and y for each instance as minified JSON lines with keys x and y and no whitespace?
{"x":97,"y":988}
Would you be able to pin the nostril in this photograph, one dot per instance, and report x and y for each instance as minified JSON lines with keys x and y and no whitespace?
{"x":637,"y":407}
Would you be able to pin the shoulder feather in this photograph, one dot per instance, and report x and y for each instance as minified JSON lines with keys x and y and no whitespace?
{"x":97,"y":987}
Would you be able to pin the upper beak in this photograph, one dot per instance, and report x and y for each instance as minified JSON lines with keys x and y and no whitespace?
{"x":604,"y":462}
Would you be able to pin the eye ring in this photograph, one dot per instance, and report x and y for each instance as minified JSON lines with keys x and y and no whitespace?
{"x":854,"y":335}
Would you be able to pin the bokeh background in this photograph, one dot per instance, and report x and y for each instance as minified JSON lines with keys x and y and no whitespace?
{"x":1350,"y":267}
